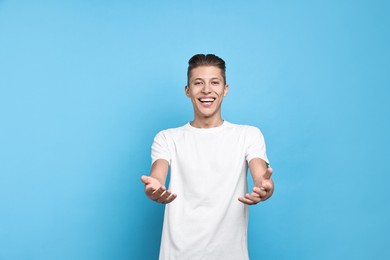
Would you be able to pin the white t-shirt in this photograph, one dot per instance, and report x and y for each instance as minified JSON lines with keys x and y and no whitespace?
{"x":208,"y":168}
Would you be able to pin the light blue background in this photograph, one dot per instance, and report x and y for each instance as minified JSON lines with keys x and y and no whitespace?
{"x":85,"y":86}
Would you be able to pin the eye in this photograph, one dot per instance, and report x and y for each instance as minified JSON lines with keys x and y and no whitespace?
{"x":215,"y":82}
{"x":197,"y":83}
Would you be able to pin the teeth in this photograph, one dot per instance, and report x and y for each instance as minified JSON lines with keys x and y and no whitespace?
{"x":207,"y":99}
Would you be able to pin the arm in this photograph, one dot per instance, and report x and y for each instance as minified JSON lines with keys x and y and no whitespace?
{"x":154,"y":184}
{"x":263,"y":184}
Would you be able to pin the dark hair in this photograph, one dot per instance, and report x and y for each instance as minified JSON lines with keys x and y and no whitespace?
{"x":199,"y":60}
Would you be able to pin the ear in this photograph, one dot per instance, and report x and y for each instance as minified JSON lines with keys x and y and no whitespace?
{"x":225,"y":90}
{"x":187,"y":90}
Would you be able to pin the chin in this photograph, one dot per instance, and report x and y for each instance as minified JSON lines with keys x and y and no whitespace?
{"x":207,"y":114}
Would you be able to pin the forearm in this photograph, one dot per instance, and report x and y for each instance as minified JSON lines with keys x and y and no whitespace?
{"x":258,"y":167}
{"x":261,"y":175}
{"x":159,"y":171}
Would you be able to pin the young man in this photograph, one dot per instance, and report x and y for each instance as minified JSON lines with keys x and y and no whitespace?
{"x":207,"y":216}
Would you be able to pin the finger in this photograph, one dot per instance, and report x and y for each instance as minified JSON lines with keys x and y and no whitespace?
{"x":246,"y":201}
{"x":157,"y":193}
{"x":268,"y":173}
{"x":260,"y":192}
{"x":170,"y":198}
{"x":164,"y":196}
{"x":255,"y":198}
{"x":267,"y":185}
{"x":249,"y":199}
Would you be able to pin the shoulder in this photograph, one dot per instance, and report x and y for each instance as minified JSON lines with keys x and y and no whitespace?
{"x":248,"y":129}
{"x":171,"y":132}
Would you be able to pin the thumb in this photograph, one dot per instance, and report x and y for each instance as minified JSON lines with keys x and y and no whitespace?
{"x":145,"y":179}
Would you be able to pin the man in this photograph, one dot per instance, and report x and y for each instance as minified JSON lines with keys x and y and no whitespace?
{"x":207,"y":216}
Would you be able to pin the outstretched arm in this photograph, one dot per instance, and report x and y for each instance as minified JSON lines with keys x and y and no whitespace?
{"x":154,"y":184}
{"x":263,"y":184}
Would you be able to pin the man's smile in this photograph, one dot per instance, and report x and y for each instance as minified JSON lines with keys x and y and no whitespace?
{"x":208,"y":101}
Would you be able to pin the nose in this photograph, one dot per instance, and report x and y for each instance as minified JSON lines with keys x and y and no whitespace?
{"x":206,"y":88}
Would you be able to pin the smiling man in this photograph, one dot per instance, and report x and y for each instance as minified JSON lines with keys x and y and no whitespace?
{"x":206,"y":216}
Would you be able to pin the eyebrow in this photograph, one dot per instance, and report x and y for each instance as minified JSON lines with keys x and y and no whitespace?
{"x":214,"y":78}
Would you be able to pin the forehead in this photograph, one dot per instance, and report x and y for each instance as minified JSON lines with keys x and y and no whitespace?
{"x":206,"y":72}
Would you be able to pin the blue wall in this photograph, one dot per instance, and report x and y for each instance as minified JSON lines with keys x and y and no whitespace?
{"x":85,"y":86}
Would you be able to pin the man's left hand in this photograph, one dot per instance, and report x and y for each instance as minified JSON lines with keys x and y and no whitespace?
{"x":261,"y":191}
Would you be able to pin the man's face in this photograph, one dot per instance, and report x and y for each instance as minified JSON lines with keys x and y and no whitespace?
{"x":206,"y":88}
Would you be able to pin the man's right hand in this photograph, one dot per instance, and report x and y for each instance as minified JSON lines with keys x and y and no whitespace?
{"x":156,"y":192}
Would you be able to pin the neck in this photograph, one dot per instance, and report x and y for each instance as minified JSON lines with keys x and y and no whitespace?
{"x":207,"y":122}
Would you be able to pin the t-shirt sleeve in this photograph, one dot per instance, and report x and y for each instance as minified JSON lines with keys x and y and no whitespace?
{"x":256,"y":145}
{"x":160,"y":149}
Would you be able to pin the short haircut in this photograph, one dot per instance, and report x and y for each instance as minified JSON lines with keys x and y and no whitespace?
{"x":199,"y":60}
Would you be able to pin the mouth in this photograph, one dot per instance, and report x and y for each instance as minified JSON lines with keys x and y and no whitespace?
{"x":207,"y":101}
